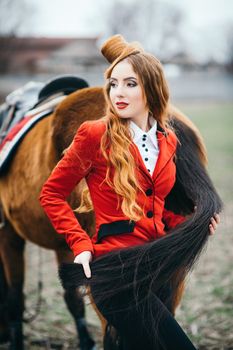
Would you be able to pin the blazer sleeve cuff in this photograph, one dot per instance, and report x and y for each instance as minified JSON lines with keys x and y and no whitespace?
{"x":171,"y":219}
{"x":81,"y":246}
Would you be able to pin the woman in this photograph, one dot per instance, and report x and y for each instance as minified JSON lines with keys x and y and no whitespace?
{"x":128,"y":159}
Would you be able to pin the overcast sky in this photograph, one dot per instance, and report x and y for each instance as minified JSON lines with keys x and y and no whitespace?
{"x":79,"y":17}
{"x":203,"y":25}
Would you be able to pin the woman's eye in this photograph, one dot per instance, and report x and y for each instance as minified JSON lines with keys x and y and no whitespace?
{"x":112,"y":84}
{"x":131,"y":84}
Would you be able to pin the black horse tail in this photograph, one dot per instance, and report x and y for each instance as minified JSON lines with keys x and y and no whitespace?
{"x":164,"y":263}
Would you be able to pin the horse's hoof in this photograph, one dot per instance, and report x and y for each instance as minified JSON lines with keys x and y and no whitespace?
{"x":89,"y":344}
{"x":88,"y":347}
{"x":16,"y":336}
{"x":93,"y":348}
{"x":4,"y":337}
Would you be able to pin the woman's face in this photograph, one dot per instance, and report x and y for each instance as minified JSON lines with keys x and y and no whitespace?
{"x":126,"y":92}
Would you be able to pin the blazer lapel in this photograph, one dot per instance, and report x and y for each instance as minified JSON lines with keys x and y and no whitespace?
{"x":167,"y":149}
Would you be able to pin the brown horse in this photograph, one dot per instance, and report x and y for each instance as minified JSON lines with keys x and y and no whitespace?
{"x":33,"y":161}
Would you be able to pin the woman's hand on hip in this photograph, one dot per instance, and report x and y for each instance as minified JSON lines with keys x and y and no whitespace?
{"x":84,"y":259}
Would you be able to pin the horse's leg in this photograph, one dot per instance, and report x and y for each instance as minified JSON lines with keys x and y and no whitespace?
{"x":75,"y":304}
{"x":4,"y":326}
{"x":177,"y":293}
{"x":12,"y":248}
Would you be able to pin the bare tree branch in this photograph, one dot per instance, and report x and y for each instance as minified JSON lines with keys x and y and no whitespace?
{"x":157,"y":25}
{"x":15,"y":15}
{"x":229,"y":45}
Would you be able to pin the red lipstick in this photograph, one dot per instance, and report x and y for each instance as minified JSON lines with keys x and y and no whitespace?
{"x":121,"y":105}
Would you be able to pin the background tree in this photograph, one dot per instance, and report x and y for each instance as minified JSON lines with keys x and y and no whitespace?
{"x":157,"y":25}
{"x":229,"y":47}
{"x":15,"y":15}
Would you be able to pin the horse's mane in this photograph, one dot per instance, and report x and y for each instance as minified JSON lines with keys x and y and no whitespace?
{"x":176,"y":114}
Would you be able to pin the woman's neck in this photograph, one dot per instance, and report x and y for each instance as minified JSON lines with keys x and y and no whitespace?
{"x":142,"y":123}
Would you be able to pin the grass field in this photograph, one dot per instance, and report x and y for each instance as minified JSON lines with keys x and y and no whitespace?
{"x":206,"y":311}
{"x":207,"y":308}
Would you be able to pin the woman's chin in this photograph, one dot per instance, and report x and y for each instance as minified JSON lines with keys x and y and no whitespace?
{"x":123,"y":116}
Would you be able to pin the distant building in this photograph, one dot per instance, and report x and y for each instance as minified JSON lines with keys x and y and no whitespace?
{"x":53,"y":55}
{"x":80,"y":54}
{"x":69,"y":55}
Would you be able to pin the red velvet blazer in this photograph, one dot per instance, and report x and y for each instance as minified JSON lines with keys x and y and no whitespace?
{"x":114,"y":230}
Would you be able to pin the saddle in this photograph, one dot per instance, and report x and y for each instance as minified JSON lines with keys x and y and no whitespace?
{"x":27,"y":100}
{"x":27,"y":105}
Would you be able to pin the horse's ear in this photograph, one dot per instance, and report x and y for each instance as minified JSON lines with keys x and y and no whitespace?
{"x":176,"y":114}
{"x":82,"y":105}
